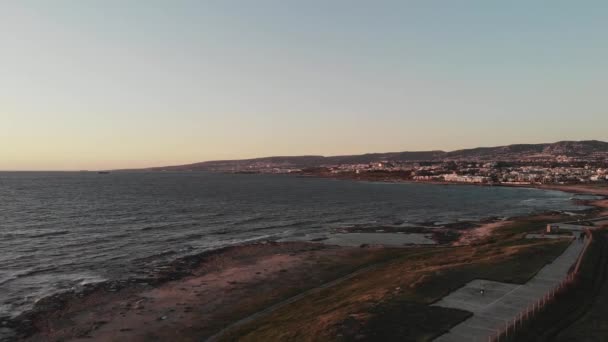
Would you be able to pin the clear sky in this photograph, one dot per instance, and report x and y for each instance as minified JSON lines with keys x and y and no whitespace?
{"x":110,"y":84}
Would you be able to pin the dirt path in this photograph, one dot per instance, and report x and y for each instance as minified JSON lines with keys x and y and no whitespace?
{"x":480,"y":233}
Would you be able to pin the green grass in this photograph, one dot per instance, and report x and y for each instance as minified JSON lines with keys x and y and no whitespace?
{"x":518,"y":269}
{"x":322,"y":270}
{"x":528,"y":225}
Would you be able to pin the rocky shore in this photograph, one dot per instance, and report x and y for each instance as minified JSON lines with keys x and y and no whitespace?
{"x":190,"y":298}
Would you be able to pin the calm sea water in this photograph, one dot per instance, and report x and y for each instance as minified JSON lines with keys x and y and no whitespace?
{"x":58,"y":230}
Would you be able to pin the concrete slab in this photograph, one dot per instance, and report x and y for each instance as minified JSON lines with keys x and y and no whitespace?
{"x":385,"y":239}
{"x":548,"y":236}
{"x":500,"y":303}
{"x":471,"y":297}
{"x":572,"y":227}
{"x":358,"y":239}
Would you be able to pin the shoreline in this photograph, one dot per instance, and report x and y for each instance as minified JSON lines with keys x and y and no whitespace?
{"x":599,"y":189}
{"x":27,"y":324}
{"x":592,"y":189}
{"x":226,"y":271}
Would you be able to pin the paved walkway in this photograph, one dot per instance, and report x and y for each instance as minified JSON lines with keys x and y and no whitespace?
{"x":501,"y":302}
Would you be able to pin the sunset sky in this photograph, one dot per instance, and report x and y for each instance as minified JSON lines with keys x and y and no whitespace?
{"x":117,"y":84}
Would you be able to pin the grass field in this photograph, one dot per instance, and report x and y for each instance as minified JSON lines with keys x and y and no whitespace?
{"x":580,"y":313}
{"x":391,"y":302}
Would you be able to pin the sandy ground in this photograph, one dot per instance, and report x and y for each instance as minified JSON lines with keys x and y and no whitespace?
{"x":479,"y":233}
{"x":220,"y":290}
{"x":602,"y":204}
{"x":579,"y":188}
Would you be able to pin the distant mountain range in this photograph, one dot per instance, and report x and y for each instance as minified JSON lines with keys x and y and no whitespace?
{"x":573,"y":149}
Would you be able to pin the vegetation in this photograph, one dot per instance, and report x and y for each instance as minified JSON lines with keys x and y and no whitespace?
{"x":391,"y":302}
{"x":320,"y":271}
{"x":581,"y":311}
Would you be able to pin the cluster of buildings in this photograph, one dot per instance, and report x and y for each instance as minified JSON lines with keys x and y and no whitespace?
{"x":560,"y":170}
{"x":261,"y":167}
{"x":481,"y":172}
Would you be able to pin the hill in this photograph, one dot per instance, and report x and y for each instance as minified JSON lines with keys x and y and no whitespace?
{"x":592,"y":149}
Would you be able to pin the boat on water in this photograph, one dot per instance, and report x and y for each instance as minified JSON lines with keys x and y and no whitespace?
{"x":103,"y":172}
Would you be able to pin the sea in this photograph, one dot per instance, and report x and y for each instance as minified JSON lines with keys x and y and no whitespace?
{"x":61,"y":230}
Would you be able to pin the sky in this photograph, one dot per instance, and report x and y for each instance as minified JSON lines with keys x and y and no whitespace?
{"x":88,"y":84}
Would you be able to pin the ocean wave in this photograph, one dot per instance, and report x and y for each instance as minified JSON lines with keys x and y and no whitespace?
{"x":237,"y":241}
{"x":13,"y":275}
{"x":9,"y":276}
{"x":187,"y":237}
{"x":55,"y":233}
{"x":170,"y":225}
{"x":155,"y":256}
{"x":17,"y":301}
{"x":249,"y":220}
{"x":32,"y":235}
{"x":95,"y":240}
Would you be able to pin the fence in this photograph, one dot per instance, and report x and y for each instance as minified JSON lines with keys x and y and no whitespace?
{"x":517,"y":322}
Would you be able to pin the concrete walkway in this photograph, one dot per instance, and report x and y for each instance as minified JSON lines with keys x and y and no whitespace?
{"x":501,"y":302}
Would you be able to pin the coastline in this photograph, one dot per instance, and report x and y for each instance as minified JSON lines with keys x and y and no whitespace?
{"x":600,"y":189}
{"x":223,"y":282}
{"x":594,"y":189}
{"x":235,"y":272}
